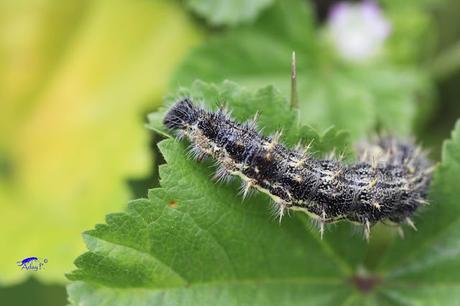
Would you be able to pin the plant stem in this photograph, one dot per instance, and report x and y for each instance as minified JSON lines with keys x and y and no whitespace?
{"x":294,"y":95}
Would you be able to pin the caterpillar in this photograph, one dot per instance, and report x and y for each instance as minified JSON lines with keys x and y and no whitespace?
{"x":389,"y":181}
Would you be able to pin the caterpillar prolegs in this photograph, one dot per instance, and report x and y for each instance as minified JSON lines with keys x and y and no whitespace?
{"x":389,"y":181}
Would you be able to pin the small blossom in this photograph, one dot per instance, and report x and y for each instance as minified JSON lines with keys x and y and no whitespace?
{"x":358,"y":30}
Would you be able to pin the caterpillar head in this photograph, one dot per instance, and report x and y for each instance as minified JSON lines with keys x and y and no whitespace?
{"x":182,"y":114}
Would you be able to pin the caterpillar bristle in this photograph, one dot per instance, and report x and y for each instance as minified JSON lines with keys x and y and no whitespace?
{"x":252,"y":123}
{"x":222,"y":175}
{"x":400,"y":232}
{"x":367,"y":230}
{"x":247,"y":187}
{"x":411,"y":223}
{"x":389,"y":181}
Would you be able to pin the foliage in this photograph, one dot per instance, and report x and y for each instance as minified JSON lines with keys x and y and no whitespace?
{"x":228,"y":12}
{"x":357,"y":98}
{"x":193,"y":242}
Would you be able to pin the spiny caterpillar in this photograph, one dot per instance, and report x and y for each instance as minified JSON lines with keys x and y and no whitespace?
{"x":389,"y":182}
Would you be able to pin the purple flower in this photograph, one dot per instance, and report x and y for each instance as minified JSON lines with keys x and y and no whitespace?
{"x":358,"y":30}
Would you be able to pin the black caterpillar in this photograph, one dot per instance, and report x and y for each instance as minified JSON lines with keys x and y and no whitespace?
{"x":389,"y":182}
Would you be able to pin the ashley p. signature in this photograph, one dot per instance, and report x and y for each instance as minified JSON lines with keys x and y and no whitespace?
{"x":32,"y":263}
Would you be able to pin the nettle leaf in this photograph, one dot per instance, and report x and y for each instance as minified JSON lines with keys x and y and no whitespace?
{"x":196,"y":242}
{"x":423,"y":268}
{"x":357,"y":98}
{"x":76,"y":82}
{"x":228,"y":12}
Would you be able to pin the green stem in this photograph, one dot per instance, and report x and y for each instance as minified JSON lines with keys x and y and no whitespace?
{"x":294,"y":95}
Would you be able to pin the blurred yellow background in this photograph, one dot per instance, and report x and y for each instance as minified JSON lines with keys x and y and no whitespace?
{"x":76,"y":78}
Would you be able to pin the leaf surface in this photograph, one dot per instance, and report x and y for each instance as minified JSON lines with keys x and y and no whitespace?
{"x":196,"y":242}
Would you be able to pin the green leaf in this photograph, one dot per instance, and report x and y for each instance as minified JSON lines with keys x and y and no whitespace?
{"x":357,"y":98}
{"x":195,"y":242}
{"x":414,"y":31}
{"x":76,"y":79}
{"x":228,"y":12}
{"x":423,"y":267}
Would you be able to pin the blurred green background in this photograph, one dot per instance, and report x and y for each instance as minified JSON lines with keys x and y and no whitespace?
{"x":77,"y":78}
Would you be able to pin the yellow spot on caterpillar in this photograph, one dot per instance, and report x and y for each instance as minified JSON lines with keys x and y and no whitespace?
{"x":296,"y":163}
{"x":376,"y":205}
{"x":337,"y":174}
{"x":373,"y":183}
{"x":269,"y":146}
{"x":298,"y":178}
